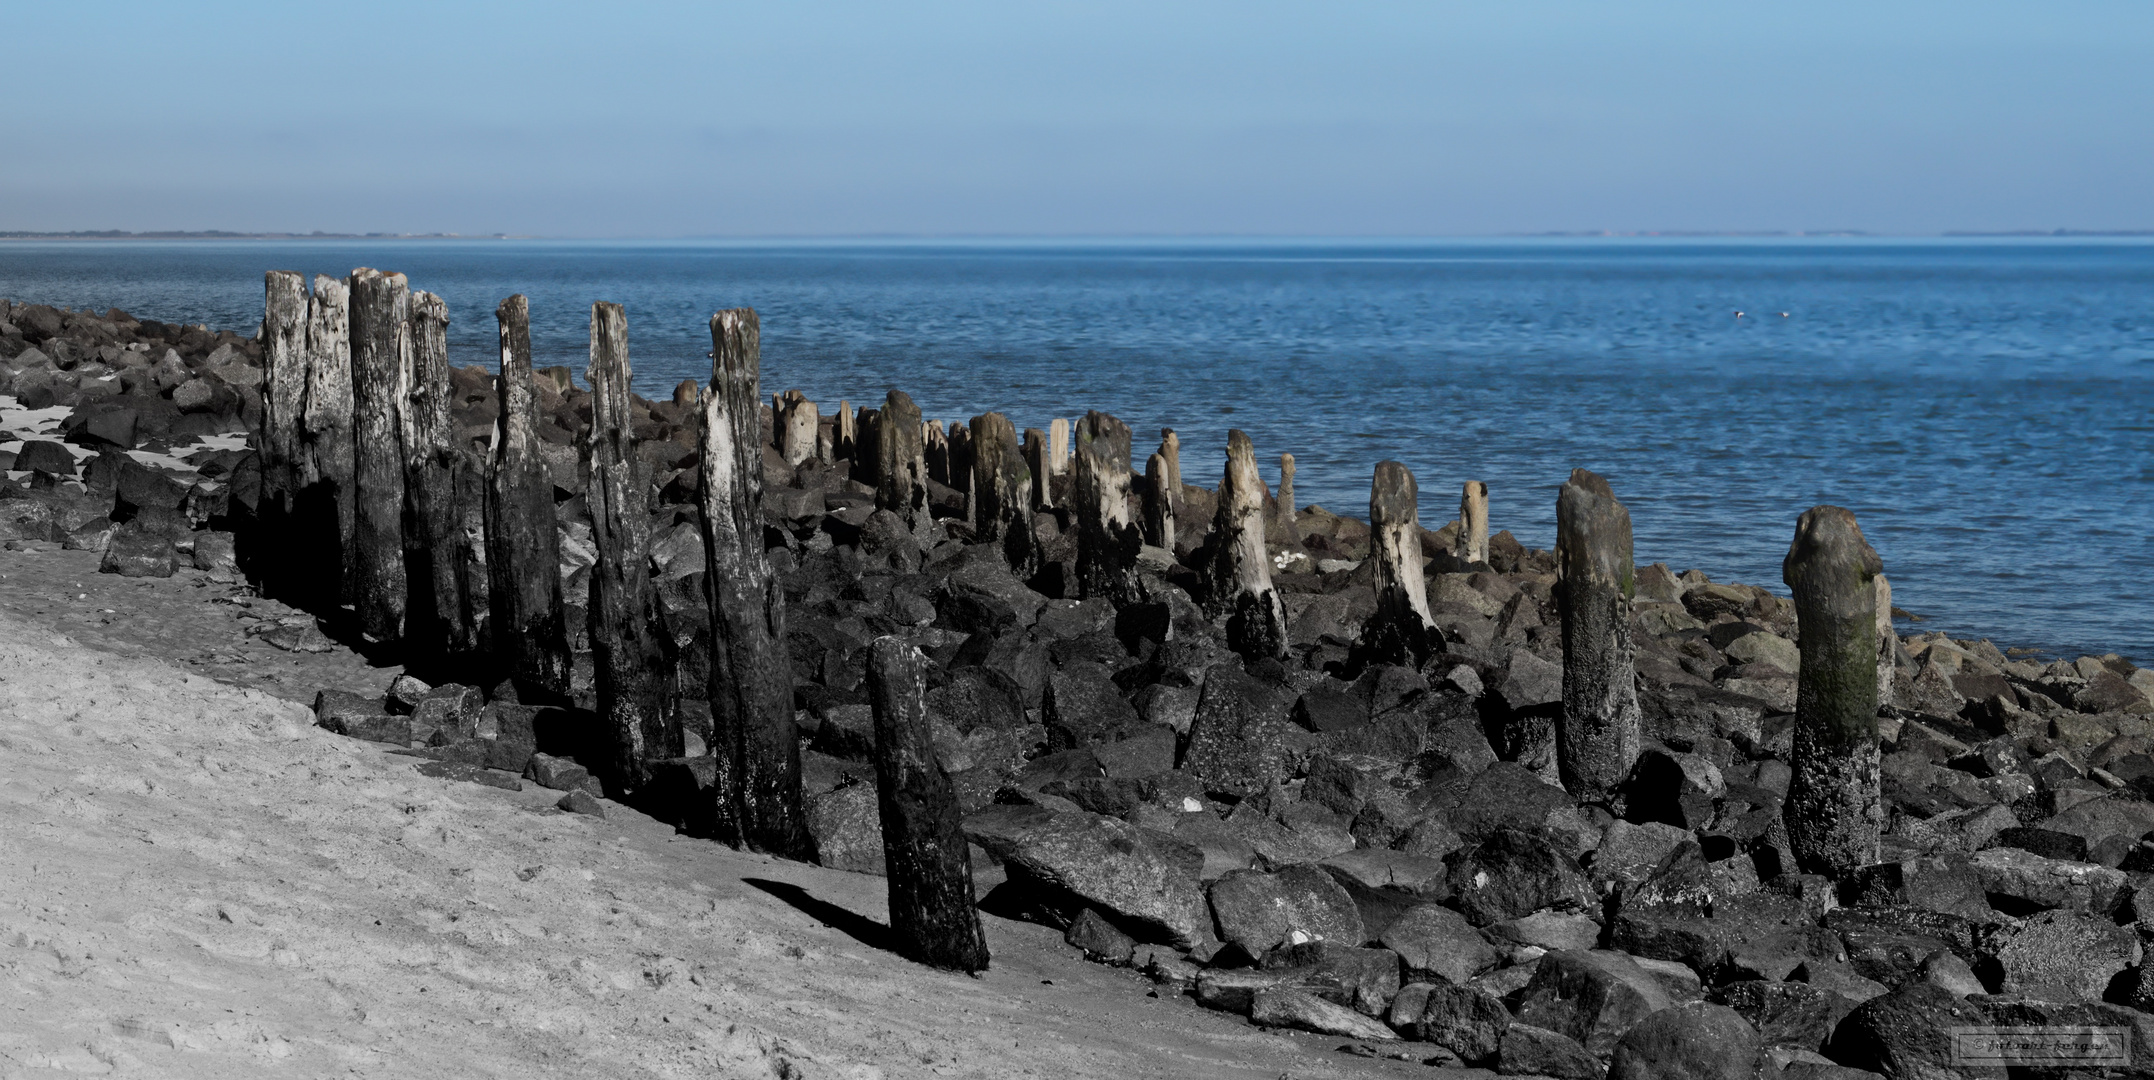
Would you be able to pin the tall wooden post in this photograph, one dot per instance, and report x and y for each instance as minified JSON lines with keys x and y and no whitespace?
{"x":1887,"y":640}
{"x":901,"y":462}
{"x":1289,"y":525}
{"x":1107,"y":539}
{"x":924,"y":851}
{"x":1472,"y":543}
{"x":441,"y":613}
{"x":1241,"y":589}
{"x":1599,"y":737}
{"x":324,"y":506}
{"x":751,"y":689}
{"x":1834,"y":811}
{"x":845,"y":434}
{"x":1170,"y":448}
{"x":634,"y":687}
{"x":1158,"y":504}
{"x":960,"y":442}
{"x":380,"y":306}
{"x":523,"y":550}
{"x":867,"y":446}
{"x":271,"y":544}
{"x":1399,"y":631}
{"x":1002,"y":493}
{"x":1058,"y":447}
{"x":936,"y":446}
{"x":1040,"y":463}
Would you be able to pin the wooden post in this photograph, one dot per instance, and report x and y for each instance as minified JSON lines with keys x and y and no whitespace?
{"x":901,"y":462}
{"x":380,"y":306}
{"x":797,"y":424}
{"x":1887,"y":641}
{"x":1107,"y":540}
{"x":936,"y":446}
{"x":1058,"y":447}
{"x":324,"y":506}
{"x":272,"y":542}
{"x":1399,"y":631}
{"x":441,"y":616}
{"x":523,"y":552}
{"x":751,"y":691}
{"x":688,"y":394}
{"x":1289,"y":526}
{"x":633,"y":684}
{"x":1002,"y":493}
{"x":960,"y":444}
{"x":1158,"y":504}
{"x":1170,"y":448}
{"x":1241,"y":589}
{"x":924,"y":851}
{"x":1598,"y":737}
{"x":1039,"y":462}
{"x":845,"y":435}
{"x":1834,"y":811}
{"x":1472,"y":543}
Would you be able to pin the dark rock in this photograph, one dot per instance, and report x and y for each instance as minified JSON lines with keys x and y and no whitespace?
{"x":1364,"y":980}
{"x":137,"y":550}
{"x":1100,"y":941}
{"x":1082,"y":707}
{"x":1946,"y":883}
{"x":451,"y":707}
{"x":1515,"y":872}
{"x":2062,"y":956}
{"x":1145,"y":880}
{"x":1329,"y":706}
{"x":39,"y":455}
{"x":1466,"y":1020}
{"x":1303,"y":1011}
{"x":1437,"y":944}
{"x":1528,"y":1050}
{"x":581,"y":802}
{"x":1907,"y":1033}
{"x":1592,"y":997}
{"x":1673,"y":789}
{"x":980,"y":595}
{"x":1241,"y":742}
{"x":558,"y":773}
{"x":514,"y":732}
{"x":1260,"y":911}
{"x":682,"y":792}
{"x":2019,"y":881}
{"x":976,"y":698}
{"x":1785,"y":1013}
{"x":847,"y":826}
{"x":1693,"y":1041}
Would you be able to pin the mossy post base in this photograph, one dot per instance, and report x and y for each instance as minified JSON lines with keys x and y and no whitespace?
{"x":1834,"y":813}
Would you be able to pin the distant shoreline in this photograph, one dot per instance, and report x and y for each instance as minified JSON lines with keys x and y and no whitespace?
{"x":1578,"y":234}
{"x":220,"y":234}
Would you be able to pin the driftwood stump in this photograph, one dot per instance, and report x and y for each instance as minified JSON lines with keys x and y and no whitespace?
{"x":901,"y":461}
{"x":1834,"y":810}
{"x":380,"y":308}
{"x":635,"y":696}
{"x":1107,"y":539}
{"x":1598,"y":736}
{"x":1471,"y":545}
{"x":322,"y":509}
{"x":751,"y":691}
{"x":924,"y":850}
{"x":441,"y":613}
{"x":1002,"y":493}
{"x":523,"y":553}
{"x":1400,"y":632}
{"x":1241,"y":590}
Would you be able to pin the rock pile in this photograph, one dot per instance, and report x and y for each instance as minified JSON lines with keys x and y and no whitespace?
{"x":1320,"y":826}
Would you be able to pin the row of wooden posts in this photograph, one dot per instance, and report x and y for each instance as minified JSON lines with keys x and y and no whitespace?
{"x":369,"y":501}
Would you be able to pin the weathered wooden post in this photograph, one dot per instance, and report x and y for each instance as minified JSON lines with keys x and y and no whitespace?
{"x":901,"y":462}
{"x":1472,"y":543}
{"x":1002,"y":493}
{"x":1289,"y":525}
{"x":1107,"y":540}
{"x":960,"y":442}
{"x":1399,"y":631}
{"x":380,"y":307}
{"x":845,"y":434}
{"x":440,"y":614}
{"x":1170,"y":448}
{"x":1834,"y":810}
{"x":1040,"y":463}
{"x":523,"y":553}
{"x":1888,"y":641}
{"x":796,"y":425}
{"x":1158,"y":504}
{"x":270,"y":545}
{"x":324,"y":504}
{"x":1241,"y":589}
{"x":936,"y":446}
{"x":1598,"y":738}
{"x":751,"y":690}
{"x":924,"y":852}
{"x":634,"y":688}
{"x":1058,"y":447}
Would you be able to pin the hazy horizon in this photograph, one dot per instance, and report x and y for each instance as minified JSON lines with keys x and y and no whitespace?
{"x":1106,"y":118}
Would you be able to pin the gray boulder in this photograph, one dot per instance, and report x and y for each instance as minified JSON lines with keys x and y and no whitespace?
{"x":1592,"y":997}
{"x":1259,"y":911}
{"x":1528,"y":1050}
{"x":1512,"y":873}
{"x":1693,"y":1041}
{"x":1437,"y":944}
{"x":1145,"y":880}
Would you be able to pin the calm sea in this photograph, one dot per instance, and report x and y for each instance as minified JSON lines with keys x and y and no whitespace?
{"x":1985,"y":407}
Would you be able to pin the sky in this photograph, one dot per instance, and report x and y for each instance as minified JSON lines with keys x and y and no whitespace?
{"x":1368,"y":118}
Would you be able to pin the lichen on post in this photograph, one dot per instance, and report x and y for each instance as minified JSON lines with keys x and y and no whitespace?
{"x":751,"y":691}
{"x":1598,"y":735}
{"x":1241,"y":591}
{"x":1834,"y":811}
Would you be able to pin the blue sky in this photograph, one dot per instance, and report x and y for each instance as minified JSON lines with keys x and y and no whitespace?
{"x":1101,"y":118}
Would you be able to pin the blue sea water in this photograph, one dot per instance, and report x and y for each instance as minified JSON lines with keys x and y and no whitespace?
{"x":1986,"y":407}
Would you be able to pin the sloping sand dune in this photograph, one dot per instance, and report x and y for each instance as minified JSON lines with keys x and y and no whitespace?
{"x":194,"y":882}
